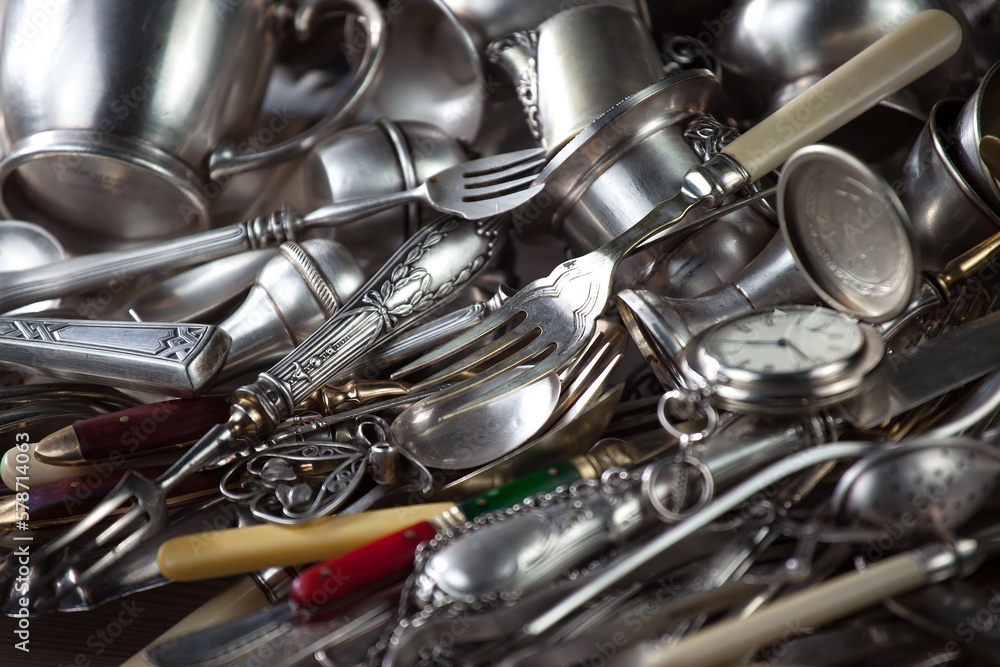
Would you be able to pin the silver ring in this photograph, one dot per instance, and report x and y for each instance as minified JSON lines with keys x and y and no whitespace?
{"x":670,"y":426}
{"x":652,"y":473}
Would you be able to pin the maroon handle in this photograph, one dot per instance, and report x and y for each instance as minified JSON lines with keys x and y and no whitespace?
{"x":337,"y":579}
{"x":145,"y":428}
{"x":69,"y":497}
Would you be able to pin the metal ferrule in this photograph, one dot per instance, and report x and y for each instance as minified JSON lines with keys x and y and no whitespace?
{"x":451,"y":519}
{"x":275,"y":582}
{"x":266,"y":231}
{"x":949,"y":559}
{"x":711,"y":183}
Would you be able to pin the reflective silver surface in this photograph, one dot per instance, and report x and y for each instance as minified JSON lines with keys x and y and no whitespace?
{"x":177,"y":359}
{"x":25,"y":246}
{"x":977,"y":119}
{"x":293,"y":295}
{"x":771,"y":50}
{"x":128,"y":147}
{"x":948,"y":216}
{"x":663,"y":326}
{"x":374,"y":159}
{"x":848,"y":232}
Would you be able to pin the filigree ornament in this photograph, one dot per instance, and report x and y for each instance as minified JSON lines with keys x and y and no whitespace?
{"x":297,"y":482}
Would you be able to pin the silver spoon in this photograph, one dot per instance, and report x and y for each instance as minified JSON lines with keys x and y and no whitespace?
{"x":923,"y":488}
{"x":475,"y":437}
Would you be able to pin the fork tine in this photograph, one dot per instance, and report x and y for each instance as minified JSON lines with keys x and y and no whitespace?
{"x":502,"y":189}
{"x":505,"y":365}
{"x":125,"y":492}
{"x":500,"y":317}
{"x":499,"y":163}
{"x":521,"y":170}
{"x":530,"y":375}
{"x":481,"y":355}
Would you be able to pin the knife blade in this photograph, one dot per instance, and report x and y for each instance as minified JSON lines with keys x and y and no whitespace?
{"x":275,"y":634}
{"x":912,"y":377}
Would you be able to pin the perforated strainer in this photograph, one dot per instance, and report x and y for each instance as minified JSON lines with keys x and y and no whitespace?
{"x":925,"y":488}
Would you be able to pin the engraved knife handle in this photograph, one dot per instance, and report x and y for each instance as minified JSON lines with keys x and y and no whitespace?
{"x":178,"y":359}
{"x":96,"y":270}
{"x":426,"y":272}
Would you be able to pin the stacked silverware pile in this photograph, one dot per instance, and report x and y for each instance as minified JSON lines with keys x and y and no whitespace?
{"x":275,"y":304}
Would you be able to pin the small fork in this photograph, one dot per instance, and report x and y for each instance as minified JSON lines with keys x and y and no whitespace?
{"x":471,"y":190}
{"x":553,"y":317}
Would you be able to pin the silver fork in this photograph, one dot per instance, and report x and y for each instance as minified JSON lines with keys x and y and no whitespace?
{"x":555,"y":316}
{"x":471,"y":190}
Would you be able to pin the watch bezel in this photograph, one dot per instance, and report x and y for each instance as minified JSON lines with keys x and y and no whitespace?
{"x":751,"y":391}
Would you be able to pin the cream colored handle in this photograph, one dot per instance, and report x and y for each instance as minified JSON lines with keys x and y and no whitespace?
{"x":222,"y":553}
{"x":790,"y":617}
{"x":909,"y":51}
{"x":242,"y":598}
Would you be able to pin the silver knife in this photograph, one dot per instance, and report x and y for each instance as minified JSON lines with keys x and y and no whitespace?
{"x":276,"y":634}
{"x":178,"y":359}
{"x":913,"y":377}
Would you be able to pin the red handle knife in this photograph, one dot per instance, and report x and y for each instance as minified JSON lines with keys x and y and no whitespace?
{"x":133,"y":432}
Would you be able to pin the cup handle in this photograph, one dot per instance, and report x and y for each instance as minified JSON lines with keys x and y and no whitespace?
{"x":225,"y":161}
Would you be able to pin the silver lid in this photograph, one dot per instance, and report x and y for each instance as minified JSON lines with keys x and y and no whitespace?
{"x":848,"y":232}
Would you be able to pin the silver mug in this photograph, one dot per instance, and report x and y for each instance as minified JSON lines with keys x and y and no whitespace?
{"x":115,"y":120}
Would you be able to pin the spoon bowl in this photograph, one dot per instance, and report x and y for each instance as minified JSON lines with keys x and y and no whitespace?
{"x":475,"y":437}
{"x":928,"y":488}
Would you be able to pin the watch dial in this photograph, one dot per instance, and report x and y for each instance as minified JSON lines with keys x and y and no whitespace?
{"x":780,"y":341}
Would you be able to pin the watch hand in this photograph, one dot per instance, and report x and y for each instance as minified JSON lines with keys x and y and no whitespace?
{"x":795,"y":348}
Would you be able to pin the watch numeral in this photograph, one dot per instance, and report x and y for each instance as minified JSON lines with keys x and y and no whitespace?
{"x":768,"y":368}
{"x":743,"y":328}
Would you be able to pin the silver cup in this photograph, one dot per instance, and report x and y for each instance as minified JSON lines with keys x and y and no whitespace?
{"x":979,"y":117}
{"x":118,"y":114}
{"x":948,"y":217}
{"x":577,"y":65}
{"x":433,"y":72}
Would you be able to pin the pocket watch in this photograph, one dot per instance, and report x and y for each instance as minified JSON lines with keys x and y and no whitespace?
{"x":783,"y":359}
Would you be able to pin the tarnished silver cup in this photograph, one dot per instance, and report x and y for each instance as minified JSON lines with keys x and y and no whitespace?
{"x":629,"y":160}
{"x":117,"y":114}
